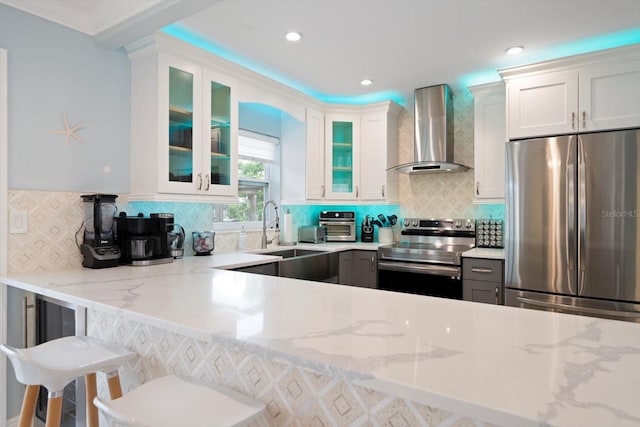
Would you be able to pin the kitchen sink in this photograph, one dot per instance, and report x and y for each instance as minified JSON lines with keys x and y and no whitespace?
{"x":289,"y":253}
{"x":305,"y":264}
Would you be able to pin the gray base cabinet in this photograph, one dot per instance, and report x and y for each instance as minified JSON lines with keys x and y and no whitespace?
{"x":483,"y":280}
{"x":359,"y":268}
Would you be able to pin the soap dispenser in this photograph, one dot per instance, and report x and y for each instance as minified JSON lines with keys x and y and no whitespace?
{"x":242,"y":239}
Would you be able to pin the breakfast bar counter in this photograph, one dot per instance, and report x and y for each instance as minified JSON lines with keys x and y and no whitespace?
{"x":326,"y":354}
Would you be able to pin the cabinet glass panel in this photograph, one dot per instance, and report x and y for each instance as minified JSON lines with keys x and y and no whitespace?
{"x":180,"y":125}
{"x":220,"y":122}
{"x":342,"y":157}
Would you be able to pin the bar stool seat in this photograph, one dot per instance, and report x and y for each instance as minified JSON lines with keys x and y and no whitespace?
{"x":173,"y":402}
{"x":56,"y":363}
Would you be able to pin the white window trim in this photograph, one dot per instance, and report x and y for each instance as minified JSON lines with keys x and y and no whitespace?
{"x":252,"y":225}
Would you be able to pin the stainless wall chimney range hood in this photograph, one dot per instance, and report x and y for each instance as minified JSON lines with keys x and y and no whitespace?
{"x":433,"y":137}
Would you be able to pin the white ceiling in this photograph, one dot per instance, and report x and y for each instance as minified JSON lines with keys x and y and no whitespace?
{"x":399,"y":44}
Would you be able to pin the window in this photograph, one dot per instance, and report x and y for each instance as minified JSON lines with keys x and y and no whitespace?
{"x":258,"y":162}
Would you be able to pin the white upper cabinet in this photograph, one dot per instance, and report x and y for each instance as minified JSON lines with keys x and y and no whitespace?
{"x":609,"y":96}
{"x":184,"y":129}
{"x":543,"y":105}
{"x":315,"y":189}
{"x":585,"y":93}
{"x":342,"y":154}
{"x":378,"y":152}
{"x":489,"y":142}
{"x":348,"y":151}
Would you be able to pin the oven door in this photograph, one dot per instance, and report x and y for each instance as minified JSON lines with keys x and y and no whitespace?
{"x":436,"y":280}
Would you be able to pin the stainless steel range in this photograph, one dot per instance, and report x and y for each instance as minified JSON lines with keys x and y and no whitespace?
{"x":428,"y":258}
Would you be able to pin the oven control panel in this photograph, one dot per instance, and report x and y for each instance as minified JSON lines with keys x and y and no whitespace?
{"x":463,"y":224}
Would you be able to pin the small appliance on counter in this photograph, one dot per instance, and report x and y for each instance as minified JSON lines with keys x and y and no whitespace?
{"x":203,"y":242}
{"x":489,"y":233}
{"x":175,"y":240}
{"x":312,"y":234}
{"x":144,"y":240}
{"x":340,"y":225}
{"x":99,"y":249}
{"x":366,"y":232}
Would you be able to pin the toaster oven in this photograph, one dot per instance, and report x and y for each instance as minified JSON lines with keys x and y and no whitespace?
{"x":340,"y":225}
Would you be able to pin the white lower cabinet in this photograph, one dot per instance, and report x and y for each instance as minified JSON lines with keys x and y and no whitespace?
{"x":489,"y":142}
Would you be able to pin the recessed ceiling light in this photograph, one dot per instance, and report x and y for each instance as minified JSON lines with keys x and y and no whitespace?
{"x":366,"y":82}
{"x":514,"y":50}
{"x":293,"y":36}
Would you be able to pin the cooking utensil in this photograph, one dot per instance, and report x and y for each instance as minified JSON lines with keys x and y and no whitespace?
{"x":393,"y":220}
{"x":376,"y":222}
{"x":382,"y":219}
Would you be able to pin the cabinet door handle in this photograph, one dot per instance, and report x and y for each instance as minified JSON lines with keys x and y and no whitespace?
{"x":481,"y":270}
{"x":573,"y":120}
{"x":584,"y":119}
{"x":477,"y":188}
{"x":199,"y":182}
{"x":206,"y":177}
{"x":356,"y":191}
{"x":322,"y":194}
{"x":497,"y":295}
{"x":373,"y":262}
{"x":382,"y":190}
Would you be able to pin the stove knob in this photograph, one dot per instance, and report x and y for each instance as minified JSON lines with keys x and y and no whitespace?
{"x":468,"y":224}
{"x":405,"y":222}
{"x":457,"y":224}
{"x":414,"y":222}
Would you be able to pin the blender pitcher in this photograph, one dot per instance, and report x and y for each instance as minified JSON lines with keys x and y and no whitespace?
{"x":98,"y":247}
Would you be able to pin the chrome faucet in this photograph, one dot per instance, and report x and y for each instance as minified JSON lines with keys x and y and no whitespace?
{"x":264,"y":224}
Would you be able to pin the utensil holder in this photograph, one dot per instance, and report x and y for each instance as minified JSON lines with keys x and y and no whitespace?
{"x":385,"y":235}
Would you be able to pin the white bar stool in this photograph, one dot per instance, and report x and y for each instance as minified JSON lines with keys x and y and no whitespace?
{"x":56,"y":363}
{"x":173,"y":402}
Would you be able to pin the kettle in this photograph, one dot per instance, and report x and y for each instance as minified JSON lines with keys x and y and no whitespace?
{"x":175,"y":239}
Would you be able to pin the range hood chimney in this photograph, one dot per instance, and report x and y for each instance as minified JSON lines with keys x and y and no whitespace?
{"x":433,"y":138}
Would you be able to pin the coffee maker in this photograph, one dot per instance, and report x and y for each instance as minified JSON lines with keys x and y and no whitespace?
{"x":98,"y":248}
{"x":144,"y":240}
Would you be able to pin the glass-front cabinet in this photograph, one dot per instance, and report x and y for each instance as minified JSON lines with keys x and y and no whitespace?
{"x":198,"y":127}
{"x":342,"y":134}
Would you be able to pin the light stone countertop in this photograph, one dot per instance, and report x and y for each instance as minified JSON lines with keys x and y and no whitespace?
{"x":505,"y":365}
{"x":490,"y":253}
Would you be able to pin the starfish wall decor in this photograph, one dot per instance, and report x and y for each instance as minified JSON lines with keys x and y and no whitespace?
{"x":69,"y":132}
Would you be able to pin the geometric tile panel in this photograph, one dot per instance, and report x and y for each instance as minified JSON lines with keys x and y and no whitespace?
{"x":293,"y":396}
{"x":443,"y":195}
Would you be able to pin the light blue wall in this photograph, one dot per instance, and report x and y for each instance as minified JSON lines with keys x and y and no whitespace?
{"x":55,"y":71}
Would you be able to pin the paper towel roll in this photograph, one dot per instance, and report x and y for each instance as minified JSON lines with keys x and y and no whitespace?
{"x":287,"y":227}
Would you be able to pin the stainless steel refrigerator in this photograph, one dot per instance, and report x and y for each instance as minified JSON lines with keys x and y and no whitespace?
{"x":572,"y":224}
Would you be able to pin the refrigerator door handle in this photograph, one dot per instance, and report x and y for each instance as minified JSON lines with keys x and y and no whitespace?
{"x":575,"y":309}
{"x":582,"y":219}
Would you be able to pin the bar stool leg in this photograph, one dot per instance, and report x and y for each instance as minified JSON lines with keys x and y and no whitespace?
{"x":115,"y":389}
{"x":54,"y":409}
{"x":91,"y":392}
{"x":29,"y":406}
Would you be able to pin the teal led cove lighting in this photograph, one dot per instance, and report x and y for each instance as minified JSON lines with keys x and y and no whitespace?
{"x":190,"y":37}
{"x":578,"y":47}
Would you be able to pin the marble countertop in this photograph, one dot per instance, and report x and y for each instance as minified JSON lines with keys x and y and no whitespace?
{"x":505,"y":365}
{"x":491,"y":253}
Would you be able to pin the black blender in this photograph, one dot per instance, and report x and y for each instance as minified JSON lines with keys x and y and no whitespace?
{"x":98,"y":247}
